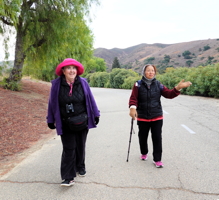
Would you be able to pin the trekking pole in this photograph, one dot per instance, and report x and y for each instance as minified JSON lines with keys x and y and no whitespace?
{"x":130,"y":139}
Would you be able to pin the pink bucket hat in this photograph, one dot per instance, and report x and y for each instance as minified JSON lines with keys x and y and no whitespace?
{"x":67,"y":62}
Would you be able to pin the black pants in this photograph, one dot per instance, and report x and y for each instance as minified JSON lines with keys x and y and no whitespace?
{"x":156,"y":135}
{"x":73,"y":154}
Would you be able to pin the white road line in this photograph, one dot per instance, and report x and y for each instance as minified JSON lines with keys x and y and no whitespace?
{"x":165,"y":112}
{"x":188,"y":129}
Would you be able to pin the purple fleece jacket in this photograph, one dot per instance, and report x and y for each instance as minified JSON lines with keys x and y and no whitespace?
{"x":53,"y":105}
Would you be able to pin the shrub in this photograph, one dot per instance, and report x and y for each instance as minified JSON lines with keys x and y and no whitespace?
{"x":204,"y":81}
{"x":169,"y":78}
{"x":88,"y":77}
{"x":102,"y":79}
{"x":12,"y":85}
{"x":94,"y":79}
{"x":209,"y":61}
{"x":214,"y":92}
{"x":205,"y":48}
{"x":192,"y":76}
{"x":121,"y":76}
{"x":166,"y":58}
{"x":149,"y":60}
{"x":189,"y":62}
{"x":113,"y":73}
{"x":186,"y":54}
{"x":129,"y":82}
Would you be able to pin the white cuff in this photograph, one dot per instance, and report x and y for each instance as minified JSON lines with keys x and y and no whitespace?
{"x":133,"y":106}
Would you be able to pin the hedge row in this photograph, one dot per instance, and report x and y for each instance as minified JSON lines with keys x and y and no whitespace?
{"x":117,"y":78}
{"x":205,"y":79}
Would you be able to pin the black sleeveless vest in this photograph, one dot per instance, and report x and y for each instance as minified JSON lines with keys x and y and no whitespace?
{"x":149,"y":104}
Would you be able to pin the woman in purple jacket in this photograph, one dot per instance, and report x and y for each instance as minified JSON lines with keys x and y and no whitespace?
{"x":72,"y":111}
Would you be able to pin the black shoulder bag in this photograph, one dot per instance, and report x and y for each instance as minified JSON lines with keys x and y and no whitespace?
{"x":78,"y":122}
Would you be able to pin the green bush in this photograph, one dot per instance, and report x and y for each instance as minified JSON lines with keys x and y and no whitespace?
{"x":189,"y":62}
{"x":88,"y":77}
{"x":205,"y":79}
{"x":102,"y":79}
{"x":113,"y":73}
{"x":94,"y":79}
{"x":118,"y":78}
{"x":204,"y":82}
{"x":192,"y":77}
{"x":205,"y":48}
{"x":12,"y":85}
{"x":214,"y":89}
{"x":166,"y":58}
{"x":107,"y":85}
{"x":129,"y":82}
{"x":172,"y":76}
{"x":149,"y":60}
{"x":186,"y":54}
{"x":121,"y":76}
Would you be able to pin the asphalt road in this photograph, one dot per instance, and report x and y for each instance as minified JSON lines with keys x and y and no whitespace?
{"x":190,"y":157}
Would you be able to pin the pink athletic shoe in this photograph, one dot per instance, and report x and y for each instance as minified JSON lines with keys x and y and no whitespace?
{"x":158,"y":164}
{"x":144,"y":157}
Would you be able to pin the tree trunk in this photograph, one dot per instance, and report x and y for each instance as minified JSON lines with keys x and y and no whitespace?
{"x":16,"y":73}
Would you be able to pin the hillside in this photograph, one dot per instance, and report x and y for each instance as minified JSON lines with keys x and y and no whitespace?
{"x":202,"y":52}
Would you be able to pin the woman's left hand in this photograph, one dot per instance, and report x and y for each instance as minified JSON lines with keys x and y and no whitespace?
{"x":97,"y":119}
{"x":183,"y":84}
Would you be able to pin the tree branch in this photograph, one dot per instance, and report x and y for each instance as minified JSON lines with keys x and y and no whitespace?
{"x":30,"y":3}
{"x":39,"y":43}
{"x":43,"y":20}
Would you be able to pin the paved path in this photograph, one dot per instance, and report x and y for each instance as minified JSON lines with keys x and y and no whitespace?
{"x":190,"y":156}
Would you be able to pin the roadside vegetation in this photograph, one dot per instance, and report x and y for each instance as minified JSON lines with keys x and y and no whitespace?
{"x":205,"y":79}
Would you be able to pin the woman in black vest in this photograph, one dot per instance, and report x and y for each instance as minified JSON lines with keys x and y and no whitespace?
{"x":145,"y":105}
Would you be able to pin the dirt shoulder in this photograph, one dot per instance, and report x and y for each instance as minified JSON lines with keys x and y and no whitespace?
{"x":23,"y":127}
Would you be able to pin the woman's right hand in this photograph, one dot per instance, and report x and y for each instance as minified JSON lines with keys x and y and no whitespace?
{"x":182,"y":84}
{"x":133,"y":113}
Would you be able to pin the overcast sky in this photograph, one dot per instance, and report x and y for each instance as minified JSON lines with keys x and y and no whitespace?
{"x":125,"y":23}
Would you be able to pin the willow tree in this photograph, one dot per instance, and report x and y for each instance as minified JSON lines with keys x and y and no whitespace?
{"x":47,"y":31}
